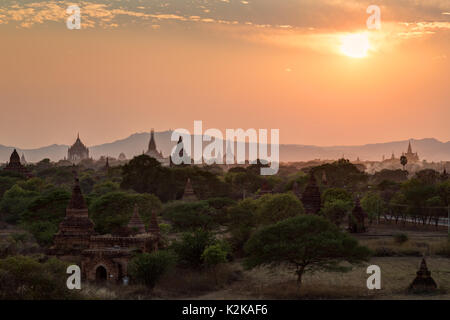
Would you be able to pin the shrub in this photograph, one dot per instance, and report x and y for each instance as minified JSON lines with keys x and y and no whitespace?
{"x":192,"y":246}
{"x":190,"y":215}
{"x":148,"y":268}
{"x":25,"y":278}
{"x":401,"y":238}
{"x":213,"y":256}
{"x":444,"y":249}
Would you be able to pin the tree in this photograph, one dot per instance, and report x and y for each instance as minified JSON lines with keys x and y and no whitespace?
{"x":403,"y":161}
{"x":274,"y":208}
{"x":148,"y":268}
{"x":214,"y":255}
{"x":342,"y":174}
{"x":145,"y":174}
{"x":113,"y":210}
{"x":15,"y":202}
{"x":336,"y":194}
{"x":190,"y":215}
{"x":26,"y":278}
{"x":336,"y":210}
{"x":242,"y":220}
{"x":397,"y":175}
{"x":309,"y":243}
{"x":191,"y":247}
{"x":372,"y":203}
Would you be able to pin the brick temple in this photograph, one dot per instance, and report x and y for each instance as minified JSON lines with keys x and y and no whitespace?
{"x":102,"y":257}
{"x":14,"y":165}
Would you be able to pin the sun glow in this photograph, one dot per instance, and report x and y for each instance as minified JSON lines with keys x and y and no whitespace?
{"x":355,"y":45}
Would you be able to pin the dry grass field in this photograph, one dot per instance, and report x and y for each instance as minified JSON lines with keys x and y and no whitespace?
{"x":398,"y":262}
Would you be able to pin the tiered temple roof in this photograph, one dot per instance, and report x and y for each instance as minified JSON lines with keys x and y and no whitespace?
{"x":14,"y":165}
{"x":136,"y":225}
{"x":423,"y":281}
{"x":78,"y":151}
{"x":76,"y":228}
{"x":153,"y":152}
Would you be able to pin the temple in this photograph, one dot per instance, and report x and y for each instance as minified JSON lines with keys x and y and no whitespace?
{"x":78,"y":151}
{"x":122,"y":157}
{"x":410,"y":155}
{"x":136,"y":225}
{"x":14,"y":165}
{"x":76,"y":229}
{"x":102,"y":257}
{"x":423,"y":281}
{"x":153,"y":152}
{"x":311,"y":198}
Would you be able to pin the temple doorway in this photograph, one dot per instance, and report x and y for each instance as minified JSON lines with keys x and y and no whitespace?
{"x":100,"y":274}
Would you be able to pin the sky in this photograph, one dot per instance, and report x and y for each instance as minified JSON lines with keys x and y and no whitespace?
{"x":311,"y":68}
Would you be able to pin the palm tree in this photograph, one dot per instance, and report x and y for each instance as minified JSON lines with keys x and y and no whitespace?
{"x":403,"y":161}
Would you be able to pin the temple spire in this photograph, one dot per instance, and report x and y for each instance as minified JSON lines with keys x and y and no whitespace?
{"x":77,"y":201}
{"x":409,"y":148}
{"x":152,"y":143}
{"x":136,"y":224}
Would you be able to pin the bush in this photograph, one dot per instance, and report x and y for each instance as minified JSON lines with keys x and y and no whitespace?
{"x":274,"y":208}
{"x":190,"y":215}
{"x":113,"y":210}
{"x":25,"y":278}
{"x":401,"y":238}
{"x":444,"y":249}
{"x":214,"y":255}
{"x":336,"y":210}
{"x":148,"y":268}
{"x":192,"y":246}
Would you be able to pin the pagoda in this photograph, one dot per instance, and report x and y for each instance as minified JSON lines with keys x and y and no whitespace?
{"x":311,"y":196}
{"x":423,"y":281}
{"x":136,"y":225}
{"x":153,"y":152}
{"x":76,"y":229}
{"x":410,"y":155}
{"x":14,"y":165}
{"x":78,"y":151}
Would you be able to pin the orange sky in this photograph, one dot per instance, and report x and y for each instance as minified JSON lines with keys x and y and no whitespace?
{"x":261,"y":64}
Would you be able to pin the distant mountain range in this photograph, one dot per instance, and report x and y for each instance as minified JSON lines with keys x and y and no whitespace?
{"x":429,"y":149}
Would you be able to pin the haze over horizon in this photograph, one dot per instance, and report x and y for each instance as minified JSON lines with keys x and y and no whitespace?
{"x":84,"y":139}
{"x":292,"y":66}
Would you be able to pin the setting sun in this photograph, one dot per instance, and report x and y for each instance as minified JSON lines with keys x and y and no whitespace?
{"x":355,"y":45}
